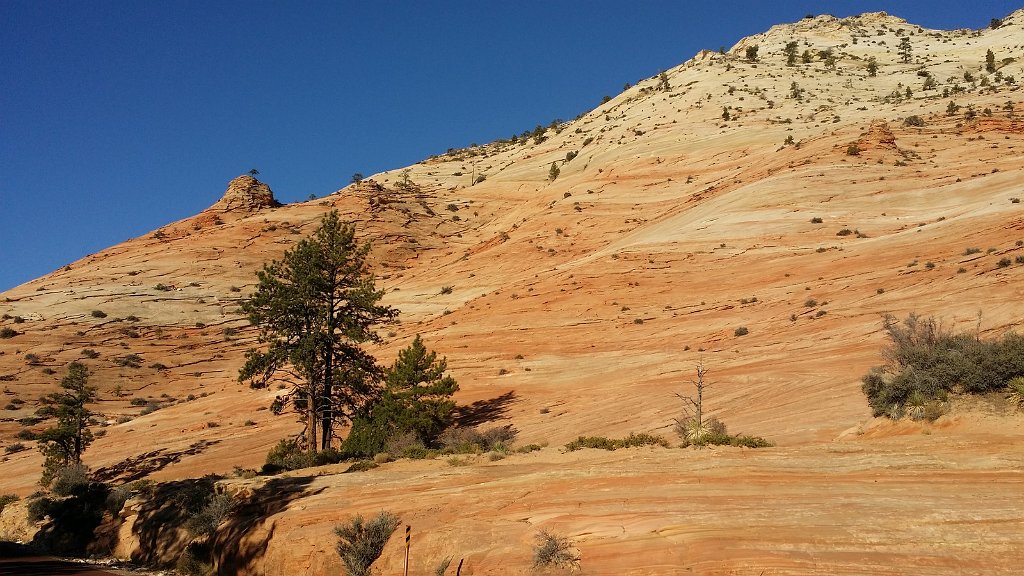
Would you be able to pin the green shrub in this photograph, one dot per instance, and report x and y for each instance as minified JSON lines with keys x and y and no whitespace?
{"x":741,"y":331}
{"x":360,"y":542}
{"x":925,"y":363}
{"x":286,"y":455}
{"x":604,"y":443}
{"x":90,"y":353}
{"x":1015,"y":391}
{"x":915,"y":120}
{"x":1003,"y":262}
{"x":8,"y":332}
{"x":816,"y":220}
{"x":98,"y":314}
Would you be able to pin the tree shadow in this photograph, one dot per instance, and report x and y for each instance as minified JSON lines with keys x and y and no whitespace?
{"x":240,"y":539}
{"x":238,"y":545}
{"x":484,"y":410}
{"x":138,"y":467}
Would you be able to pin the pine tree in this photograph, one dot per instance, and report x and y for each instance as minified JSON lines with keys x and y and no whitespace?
{"x":790,"y":51}
{"x":553,"y":172}
{"x":416,"y":399}
{"x":314,"y":308}
{"x":990,"y":61}
{"x":872,"y":67}
{"x":905,"y":49}
{"x":64,"y":443}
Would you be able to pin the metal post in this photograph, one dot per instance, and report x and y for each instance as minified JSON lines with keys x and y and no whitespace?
{"x":408,"y":529}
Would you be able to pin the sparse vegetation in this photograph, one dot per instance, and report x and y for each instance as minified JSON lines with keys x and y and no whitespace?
{"x":556,"y":551}
{"x":634,"y":440}
{"x":924,"y":363}
{"x":360,"y":542}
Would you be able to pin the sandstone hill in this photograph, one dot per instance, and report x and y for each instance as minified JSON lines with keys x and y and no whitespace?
{"x":681,"y":211}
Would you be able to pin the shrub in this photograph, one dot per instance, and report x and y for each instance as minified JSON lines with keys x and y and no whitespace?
{"x":361,"y":466}
{"x":209,"y":516}
{"x":1003,"y":262}
{"x":552,"y":550}
{"x":138,"y":402}
{"x":925,"y":363}
{"x":98,"y":314}
{"x":741,"y":331}
{"x":129,"y":361}
{"x":1015,"y":391}
{"x":447,"y":289}
{"x":286,"y":455}
{"x":7,"y":499}
{"x":90,"y":353}
{"x":14,"y":448}
{"x":810,"y":303}
{"x":634,"y":440}
{"x":69,"y":479}
{"x":8,"y":332}
{"x":971,"y":250}
{"x":913,"y":120}
{"x":693,"y":433}
{"x":361,"y":542}
{"x":853,"y":149}
{"x":816,"y":220}
{"x":844,"y":232}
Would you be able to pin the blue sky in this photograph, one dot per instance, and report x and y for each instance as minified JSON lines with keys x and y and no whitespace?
{"x":117,"y":117}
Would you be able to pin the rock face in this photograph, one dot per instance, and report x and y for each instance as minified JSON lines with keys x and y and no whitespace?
{"x":246,"y":194}
{"x":579,"y":306}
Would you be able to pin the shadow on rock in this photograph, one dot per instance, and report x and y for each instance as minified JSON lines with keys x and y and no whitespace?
{"x":242,"y":538}
{"x":483,"y":411}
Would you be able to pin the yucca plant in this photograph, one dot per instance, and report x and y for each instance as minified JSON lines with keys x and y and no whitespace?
{"x":1015,"y":391}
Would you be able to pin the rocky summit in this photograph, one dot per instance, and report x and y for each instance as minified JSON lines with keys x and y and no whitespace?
{"x":757,"y":210}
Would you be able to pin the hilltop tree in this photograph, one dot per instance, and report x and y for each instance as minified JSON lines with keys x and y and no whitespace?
{"x":905,"y":49}
{"x":64,"y":443}
{"x":416,"y":399}
{"x":314,"y":308}
{"x":254,"y":172}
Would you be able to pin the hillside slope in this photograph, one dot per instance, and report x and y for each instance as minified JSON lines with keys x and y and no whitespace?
{"x":580,"y":305}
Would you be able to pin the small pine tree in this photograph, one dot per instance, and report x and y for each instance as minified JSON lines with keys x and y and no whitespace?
{"x":553,"y":172}
{"x":725,"y":114}
{"x":806,"y":57}
{"x":905,"y":49}
{"x":872,"y":67}
{"x":751,"y":53}
{"x":790,"y":52}
{"x":990,"y":61}
{"x":416,"y":399}
{"x":64,"y":443}
{"x":663,"y":82}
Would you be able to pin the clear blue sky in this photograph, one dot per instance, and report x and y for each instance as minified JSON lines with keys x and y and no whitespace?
{"x":117,"y":117}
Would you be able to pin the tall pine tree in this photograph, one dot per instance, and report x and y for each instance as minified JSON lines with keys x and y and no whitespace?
{"x":314,"y":308}
{"x":64,"y":443}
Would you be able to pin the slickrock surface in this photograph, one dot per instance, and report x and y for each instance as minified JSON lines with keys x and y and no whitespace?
{"x":581,"y":305}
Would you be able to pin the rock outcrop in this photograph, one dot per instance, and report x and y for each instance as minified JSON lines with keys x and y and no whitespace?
{"x":246,"y":194}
